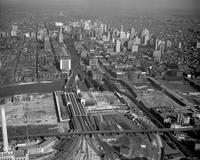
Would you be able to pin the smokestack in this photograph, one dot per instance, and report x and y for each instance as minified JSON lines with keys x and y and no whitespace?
{"x":4,"y":131}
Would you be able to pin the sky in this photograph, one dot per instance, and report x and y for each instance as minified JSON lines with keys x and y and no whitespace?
{"x":113,"y":7}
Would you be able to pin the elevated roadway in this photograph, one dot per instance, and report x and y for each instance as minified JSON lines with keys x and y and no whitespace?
{"x":158,"y":130}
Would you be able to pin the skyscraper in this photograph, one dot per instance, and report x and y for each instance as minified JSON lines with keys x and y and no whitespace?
{"x":135,"y":48}
{"x":118,"y":43}
{"x":47,"y":46}
{"x":60,"y":38}
{"x":133,"y":33}
{"x":198,"y":44}
{"x":145,"y":36}
{"x":14,"y":30}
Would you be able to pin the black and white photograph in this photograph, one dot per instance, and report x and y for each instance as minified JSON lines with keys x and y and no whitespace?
{"x":99,"y":79}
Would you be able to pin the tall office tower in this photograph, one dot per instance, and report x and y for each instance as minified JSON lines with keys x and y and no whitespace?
{"x":47,"y":46}
{"x":122,"y":35}
{"x":102,"y":28}
{"x":133,"y":33}
{"x":161,"y":46}
{"x":118,"y":43}
{"x":4,"y":131}
{"x":156,"y":44}
{"x":135,"y":48}
{"x":65,"y":65}
{"x":157,"y":56}
{"x":130,"y":44}
{"x":60,"y":38}
{"x":14,"y":30}
{"x":137,"y":41}
{"x":145,"y":36}
{"x":108,"y":36}
{"x":15,"y":27}
{"x":87,"y":26}
{"x":105,"y":28}
{"x":40,"y":34}
{"x":179,"y":45}
{"x":198,"y":44}
{"x":128,"y":35}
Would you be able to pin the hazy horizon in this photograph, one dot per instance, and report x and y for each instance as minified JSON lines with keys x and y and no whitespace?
{"x":108,"y":7}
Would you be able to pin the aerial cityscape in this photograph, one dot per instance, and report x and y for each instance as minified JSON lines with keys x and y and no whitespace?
{"x":100,"y":80}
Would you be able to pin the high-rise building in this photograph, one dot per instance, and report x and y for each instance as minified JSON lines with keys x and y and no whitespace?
{"x":128,"y":35}
{"x":60,"y":38}
{"x":179,"y":45}
{"x":130,"y":44}
{"x":198,"y":44}
{"x":133,"y":33}
{"x":105,"y":28}
{"x":161,"y":46}
{"x":40,"y":34}
{"x":157,"y":55}
{"x":14,"y":30}
{"x":47,"y":46}
{"x":156,"y":44}
{"x":145,"y":36}
{"x":135,"y":48}
{"x":65,"y":65}
{"x":15,"y":27}
{"x":137,"y":41}
{"x":122,"y":35}
{"x":118,"y":43}
{"x":108,"y":36}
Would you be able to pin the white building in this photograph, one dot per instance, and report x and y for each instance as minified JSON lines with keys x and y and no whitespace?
{"x":118,"y":43}
{"x":135,"y":48}
{"x":65,"y":65}
{"x":198,"y":44}
{"x":60,"y":38}
{"x":179,"y":45}
{"x":136,"y":41}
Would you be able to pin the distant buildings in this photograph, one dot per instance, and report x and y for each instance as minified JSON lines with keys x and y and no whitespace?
{"x":118,"y":45}
{"x":145,"y":36}
{"x":14,"y":30}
